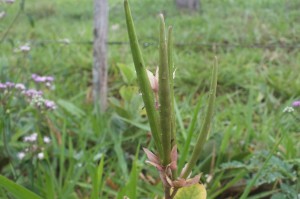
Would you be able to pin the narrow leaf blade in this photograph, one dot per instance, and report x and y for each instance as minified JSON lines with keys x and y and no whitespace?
{"x":16,"y":190}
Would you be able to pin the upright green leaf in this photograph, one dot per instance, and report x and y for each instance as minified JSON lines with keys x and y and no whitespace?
{"x":171,"y":77}
{"x":97,"y":180}
{"x":164,"y":94}
{"x":205,"y":128}
{"x":16,"y":190}
{"x":130,"y":190}
{"x":147,"y":94}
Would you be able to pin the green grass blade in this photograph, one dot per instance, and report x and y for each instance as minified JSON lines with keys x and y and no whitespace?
{"x":264,"y":166}
{"x":98,"y":180}
{"x":147,"y":94}
{"x":130,"y":190}
{"x":180,"y":121}
{"x":16,"y":190}
{"x":187,"y":144}
{"x":205,"y":128}
{"x":237,"y":178}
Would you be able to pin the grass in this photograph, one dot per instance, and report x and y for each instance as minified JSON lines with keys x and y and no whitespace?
{"x":257,"y":45}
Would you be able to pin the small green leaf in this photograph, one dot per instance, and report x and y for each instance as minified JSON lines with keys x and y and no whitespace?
{"x":71,"y":108}
{"x":127,"y":72}
{"x":128,"y":92}
{"x":196,"y":191}
{"x":16,"y":190}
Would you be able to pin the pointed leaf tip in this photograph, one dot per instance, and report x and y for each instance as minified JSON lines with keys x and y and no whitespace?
{"x":151,"y":156}
{"x":174,"y":154}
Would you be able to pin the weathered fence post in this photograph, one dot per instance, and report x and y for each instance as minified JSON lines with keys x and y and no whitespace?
{"x":100,"y":54}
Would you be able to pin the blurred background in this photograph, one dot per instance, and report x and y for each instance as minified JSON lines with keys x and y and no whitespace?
{"x":257,"y":43}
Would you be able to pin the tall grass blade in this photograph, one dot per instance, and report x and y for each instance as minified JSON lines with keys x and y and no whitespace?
{"x":97,"y":180}
{"x":16,"y":190}
{"x":205,"y":128}
{"x":130,"y":190}
{"x":187,"y":144}
{"x":237,"y":178}
{"x":264,"y":166}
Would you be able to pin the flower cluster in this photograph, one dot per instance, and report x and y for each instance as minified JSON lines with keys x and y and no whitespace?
{"x":290,"y":109}
{"x":34,"y":97}
{"x":47,"y":80}
{"x":296,"y":103}
{"x":33,"y":148}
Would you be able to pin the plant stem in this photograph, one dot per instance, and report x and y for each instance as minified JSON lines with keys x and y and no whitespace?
{"x":167,"y":193}
{"x":205,"y":129}
{"x":174,"y":192}
{"x":147,"y":94}
{"x":164,"y":95}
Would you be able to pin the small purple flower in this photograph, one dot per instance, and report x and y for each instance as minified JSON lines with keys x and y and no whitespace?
{"x":3,"y":86}
{"x":49,"y":78}
{"x":39,"y":79}
{"x":296,"y":103}
{"x":50,"y":104}
{"x":32,"y":92}
{"x":33,"y":76}
{"x":9,"y":84}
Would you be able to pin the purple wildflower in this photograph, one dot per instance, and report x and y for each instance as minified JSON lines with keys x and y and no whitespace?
{"x":49,"y":78}
{"x":2,"y":86}
{"x":296,"y":103}
{"x":9,"y":84}
{"x":33,"y":76}
{"x":38,"y":79}
{"x":32,"y":92}
{"x":50,"y":104}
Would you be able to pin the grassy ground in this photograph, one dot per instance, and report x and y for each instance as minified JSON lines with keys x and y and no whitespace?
{"x":257,"y":43}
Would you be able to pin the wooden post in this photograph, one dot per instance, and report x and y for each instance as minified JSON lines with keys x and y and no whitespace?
{"x":100,"y":54}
